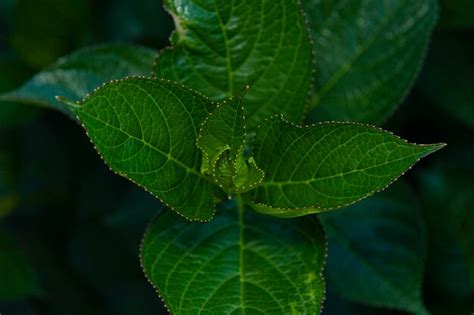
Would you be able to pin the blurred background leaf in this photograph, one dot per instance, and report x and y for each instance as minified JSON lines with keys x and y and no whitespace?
{"x":17,"y":275}
{"x":376,"y":250}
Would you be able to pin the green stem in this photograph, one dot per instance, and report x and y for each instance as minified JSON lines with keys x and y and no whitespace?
{"x":241,"y":213}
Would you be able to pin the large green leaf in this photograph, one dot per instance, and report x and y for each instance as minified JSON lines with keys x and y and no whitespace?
{"x":377,"y":250}
{"x":328,"y":165}
{"x":146,"y":131}
{"x":221,"y":46}
{"x":17,"y":276}
{"x":240,"y":263}
{"x":368,"y":54}
{"x":78,"y":74}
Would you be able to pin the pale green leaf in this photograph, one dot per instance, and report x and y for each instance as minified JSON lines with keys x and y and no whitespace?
{"x":325,"y":166}
{"x":76,"y":75}
{"x":146,"y":131}
{"x":221,"y":46}
{"x":223,"y":130}
{"x":17,"y":276}
{"x":377,"y":249}
{"x":368,"y":54}
{"x":240,"y":263}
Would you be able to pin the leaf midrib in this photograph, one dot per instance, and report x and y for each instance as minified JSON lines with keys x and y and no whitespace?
{"x":312,"y":180}
{"x":167,"y":155}
{"x":230,"y":73}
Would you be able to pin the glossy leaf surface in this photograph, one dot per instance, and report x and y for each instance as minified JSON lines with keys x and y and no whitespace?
{"x":240,"y":262}
{"x":146,"y":131}
{"x":325,"y":166}
{"x":220,"y":47}
{"x":76,"y":75}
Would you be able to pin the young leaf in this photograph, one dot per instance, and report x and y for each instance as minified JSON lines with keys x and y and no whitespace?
{"x":223,"y":130}
{"x":239,"y":263}
{"x":315,"y":168}
{"x":222,"y":140}
{"x":146,"y":131}
{"x":368,"y":54}
{"x":17,"y":276}
{"x":79,"y":73}
{"x":221,"y":46}
{"x":376,"y":251}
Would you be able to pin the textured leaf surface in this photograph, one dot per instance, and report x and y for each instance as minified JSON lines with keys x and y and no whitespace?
{"x":222,"y":139}
{"x":222,"y":46}
{"x":223,"y":130}
{"x":239,"y":263}
{"x":368,"y":53}
{"x":376,"y":251}
{"x":146,"y":131}
{"x":325,"y":166}
{"x":17,"y":276}
{"x":76,"y":75}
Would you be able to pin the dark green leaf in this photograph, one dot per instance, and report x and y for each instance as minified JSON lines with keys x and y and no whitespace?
{"x":146,"y":131}
{"x":368,"y":54}
{"x":43,"y":33}
{"x":12,"y":74}
{"x":240,"y":263}
{"x":78,"y":74}
{"x":315,"y":168}
{"x":457,"y":14}
{"x":447,"y":200}
{"x":17,"y":276}
{"x":447,"y":77}
{"x":377,"y":250}
{"x":222,"y":46}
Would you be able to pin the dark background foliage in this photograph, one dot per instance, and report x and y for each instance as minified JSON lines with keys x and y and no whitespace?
{"x":76,"y":227}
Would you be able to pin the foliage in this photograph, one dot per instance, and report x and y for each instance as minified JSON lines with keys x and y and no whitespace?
{"x":253,"y":124}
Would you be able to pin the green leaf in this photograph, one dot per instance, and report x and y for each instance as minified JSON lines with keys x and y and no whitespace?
{"x":239,"y":263}
{"x":326,"y":166}
{"x":12,"y":74}
{"x":146,"y":131}
{"x":223,"y":130}
{"x":447,"y":77}
{"x":222,"y":140}
{"x":222,"y":46}
{"x":448,"y":197}
{"x":79,"y":73}
{"x":42,"y":33}
{"x":368,"y":55}
{"x":377,"y":249}
{"x":17,"y":276}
